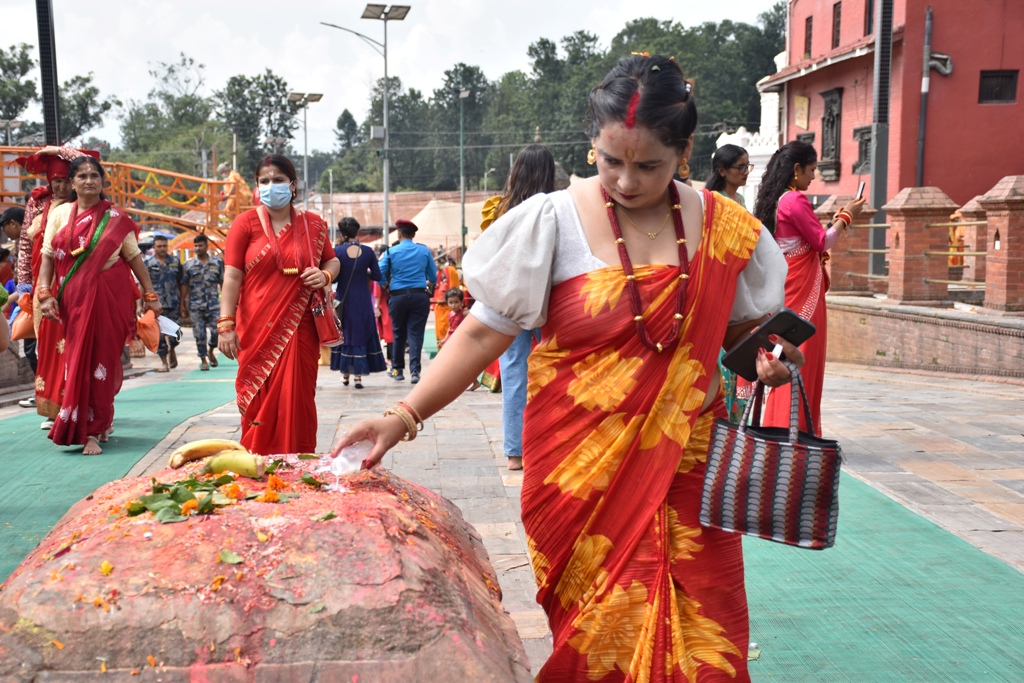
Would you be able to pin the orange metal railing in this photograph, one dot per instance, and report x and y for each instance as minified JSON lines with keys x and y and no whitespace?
{"x":152,"y":196}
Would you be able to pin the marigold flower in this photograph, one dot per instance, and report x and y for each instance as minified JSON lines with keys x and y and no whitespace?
{"x":189,"y":507}
{"x":234,"y":491}
{"x":274,"y":483}
{"x":269,"y":496}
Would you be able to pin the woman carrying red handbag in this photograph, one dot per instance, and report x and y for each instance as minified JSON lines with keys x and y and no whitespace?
{"x":267,"y":319}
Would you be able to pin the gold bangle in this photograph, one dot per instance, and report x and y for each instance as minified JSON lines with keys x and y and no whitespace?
{"x":412,"y":412}
{"x":150,"y":296}
{"x":327,"y":274}
{"x":406,"y":418}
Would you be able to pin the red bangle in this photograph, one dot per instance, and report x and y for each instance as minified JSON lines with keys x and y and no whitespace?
{"x":150,"y":296}
{"x":412,"y":411}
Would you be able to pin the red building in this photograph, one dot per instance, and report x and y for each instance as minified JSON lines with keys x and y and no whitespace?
{"x":974,"y":132}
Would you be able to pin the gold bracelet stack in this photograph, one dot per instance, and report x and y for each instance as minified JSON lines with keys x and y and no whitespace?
{"x":408,"y":415}
{"x":225,"y":323}
{"x":150,"y":296}
{"x":327,"y":274}
{"x":44,"y":293}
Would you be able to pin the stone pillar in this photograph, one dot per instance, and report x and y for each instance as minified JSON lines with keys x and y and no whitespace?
{"x":1004,"y":260}
{"x":847,"y":256}
{"x":974,"y":240}
{"x":909,"y":238}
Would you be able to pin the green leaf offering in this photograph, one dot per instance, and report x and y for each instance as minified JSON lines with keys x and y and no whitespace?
{"x":318,"y":607}
{"x":274,"y":464}
{"x":135,"y":508}
{"x":229,"y":557}
{"x":324,"y":518}
{"x":308,"y":456}
{"x":311,"y":480}
{"x":169,"y":515}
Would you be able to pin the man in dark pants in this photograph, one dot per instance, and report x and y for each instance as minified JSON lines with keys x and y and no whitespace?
{"x":204,"y":276}
{"x":409,"y":268}
{"x":166,"y":273}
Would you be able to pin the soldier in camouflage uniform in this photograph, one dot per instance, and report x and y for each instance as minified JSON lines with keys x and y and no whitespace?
{"x":166,"y":274}
{"x":204,"y":275}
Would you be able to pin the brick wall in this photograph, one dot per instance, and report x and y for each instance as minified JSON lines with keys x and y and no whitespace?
{"x":874,"y":333}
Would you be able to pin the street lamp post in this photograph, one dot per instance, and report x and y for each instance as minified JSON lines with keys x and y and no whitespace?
{"x":463,"y":94}
{"x":304,"y":99}
{"x":486,"y":173}
{"x":385,"y":14}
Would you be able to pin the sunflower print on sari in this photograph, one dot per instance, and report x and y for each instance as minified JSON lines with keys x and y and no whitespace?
{"x":696,"y":639}
{"x":584,"y":574}
{"x":592,"y":464}
{"x":679,"y":396}
{"x":735,"y":234}
{"x":682,"y":543}
{"x":610,"y":630}
{"x":542,"y":366}
{"x":603,"y":380}
{"x":540,"y":563}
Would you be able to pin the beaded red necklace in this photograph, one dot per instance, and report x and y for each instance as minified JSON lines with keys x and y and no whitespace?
{"x":635,"y":302}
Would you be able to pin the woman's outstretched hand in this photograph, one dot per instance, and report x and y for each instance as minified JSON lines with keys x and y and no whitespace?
{"x":770,"y":370}
{"x":227,"y":342}
{"x":382,"y":432}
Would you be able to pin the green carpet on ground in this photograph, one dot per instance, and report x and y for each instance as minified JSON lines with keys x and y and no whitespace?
{"x":43,"y":480}
{"x":897,"y":599}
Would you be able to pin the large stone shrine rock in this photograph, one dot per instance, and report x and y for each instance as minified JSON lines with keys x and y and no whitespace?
{"x":395,"y":587}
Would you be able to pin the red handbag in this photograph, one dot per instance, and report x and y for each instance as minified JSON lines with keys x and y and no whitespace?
{"x":328,"y":324}
{"x":778,"y":484}
{"x":22,"y":327}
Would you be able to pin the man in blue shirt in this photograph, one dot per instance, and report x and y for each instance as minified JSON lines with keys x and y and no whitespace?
{"x":408,"y":268}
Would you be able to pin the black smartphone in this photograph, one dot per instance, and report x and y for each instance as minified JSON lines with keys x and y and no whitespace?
{"x":860,"y":190}
{"x":742,"y":357}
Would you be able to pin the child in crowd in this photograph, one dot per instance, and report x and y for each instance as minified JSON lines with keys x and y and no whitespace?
{"x":456,"y":314}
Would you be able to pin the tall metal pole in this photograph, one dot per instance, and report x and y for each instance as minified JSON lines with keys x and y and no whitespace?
{"x":925,"y":87}
{"x":48,"y":72}
{"x":305,"y":155}
{"x":880,"y":129}
{"x":462,"y":169}
{"x":330,"y":180}
{"x":387,"y":133}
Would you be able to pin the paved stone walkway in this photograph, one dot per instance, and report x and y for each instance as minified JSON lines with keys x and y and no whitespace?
{"x":949,"y":448}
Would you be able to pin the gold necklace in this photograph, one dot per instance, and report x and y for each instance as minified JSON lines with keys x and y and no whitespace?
{"x":650,"y":235}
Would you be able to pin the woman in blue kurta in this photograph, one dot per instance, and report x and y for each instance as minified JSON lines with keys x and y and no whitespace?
{"x":360,"y":354}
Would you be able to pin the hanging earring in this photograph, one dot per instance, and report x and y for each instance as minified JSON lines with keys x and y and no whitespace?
{"x":684,"y":168}
{"x":592,"y":156}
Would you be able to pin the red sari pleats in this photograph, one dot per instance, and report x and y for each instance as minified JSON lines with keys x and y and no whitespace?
{"x":615,"y":438}
{"x":805,"y":294}
{"x":278,"y":349}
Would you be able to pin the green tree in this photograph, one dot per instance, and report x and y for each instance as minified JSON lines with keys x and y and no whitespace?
{"x":16,"y":91}
{"x":347,"y":131}
{"x":257,"y":110}
{"x":81,"y":108}
{"x":173,"y":128}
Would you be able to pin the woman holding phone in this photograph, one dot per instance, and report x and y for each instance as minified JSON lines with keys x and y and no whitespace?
{"x":784,"y":209}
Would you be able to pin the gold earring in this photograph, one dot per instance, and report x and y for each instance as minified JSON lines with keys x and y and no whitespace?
{"x":592,"y":156}
{"x":684,"y":169}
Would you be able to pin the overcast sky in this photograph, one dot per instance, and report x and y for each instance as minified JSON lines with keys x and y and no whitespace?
{"x":120,"y":40}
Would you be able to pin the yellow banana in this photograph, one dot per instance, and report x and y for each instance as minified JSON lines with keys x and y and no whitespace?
{"x":200,"y":449}
{"x":241,"y":462}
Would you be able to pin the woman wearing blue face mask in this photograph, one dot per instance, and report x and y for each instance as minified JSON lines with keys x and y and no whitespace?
{"x":275,"y":258}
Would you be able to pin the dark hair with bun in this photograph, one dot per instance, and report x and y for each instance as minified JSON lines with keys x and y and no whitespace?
{"x":665,"y":104}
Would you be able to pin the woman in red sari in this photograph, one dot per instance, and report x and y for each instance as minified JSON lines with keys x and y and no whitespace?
{"x":636,"y":281}
{"x":89,"y":253}
{"x":785,"y":210}
{"x":274,"y":259}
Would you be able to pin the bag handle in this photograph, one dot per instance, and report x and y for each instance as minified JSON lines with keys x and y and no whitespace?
{"x":752,"y":413}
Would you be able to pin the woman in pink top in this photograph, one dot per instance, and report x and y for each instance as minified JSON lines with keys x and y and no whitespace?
{"x":784,"y":209}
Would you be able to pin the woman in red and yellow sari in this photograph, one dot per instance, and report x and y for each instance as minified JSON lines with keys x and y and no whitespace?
{"x":785,"y":210}
{"x":274,"y":259}
{"x":637,"y":281}
{"x":89,"y":253}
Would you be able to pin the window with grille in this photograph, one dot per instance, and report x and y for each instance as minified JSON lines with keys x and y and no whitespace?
{"x":869,"y":17}
{"x":998,"y":87}
{"x":808,"y":32}
{"x":837,"y":14}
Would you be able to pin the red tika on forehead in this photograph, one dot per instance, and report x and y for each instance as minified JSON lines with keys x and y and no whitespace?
{"x":634,"y":102}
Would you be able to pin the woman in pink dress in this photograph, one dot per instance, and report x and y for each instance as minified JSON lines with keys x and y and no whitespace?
{"x":784,"y":209}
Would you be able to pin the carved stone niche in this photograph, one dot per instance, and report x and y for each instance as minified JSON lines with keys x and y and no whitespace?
{"x":862,"y":136}
{"x":831,"y":123}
